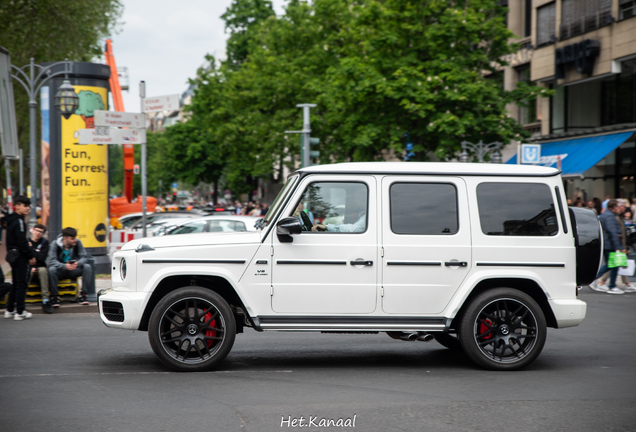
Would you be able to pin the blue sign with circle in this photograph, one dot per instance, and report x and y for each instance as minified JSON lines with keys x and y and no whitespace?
{"x":530,"y":153}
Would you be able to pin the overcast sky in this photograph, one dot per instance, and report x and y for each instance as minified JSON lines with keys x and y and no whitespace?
{"x":163,"y":42}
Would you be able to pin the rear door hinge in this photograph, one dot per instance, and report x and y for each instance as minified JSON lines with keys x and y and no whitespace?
{"x":382,"y":252}
{"x":381,"y":291}
{"x":271,"y":251}
{"x":271,"y":290}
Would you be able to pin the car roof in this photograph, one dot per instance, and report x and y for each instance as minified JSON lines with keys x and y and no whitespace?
{"x":432,"y":168}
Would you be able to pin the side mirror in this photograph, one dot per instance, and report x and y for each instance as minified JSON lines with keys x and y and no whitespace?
{"x":286,"y":227}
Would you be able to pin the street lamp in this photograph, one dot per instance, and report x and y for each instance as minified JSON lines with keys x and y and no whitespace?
{"x":65,"y":100}
{"x":481,"y":150}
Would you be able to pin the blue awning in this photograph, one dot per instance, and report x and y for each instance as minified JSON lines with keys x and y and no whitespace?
{"x":578,"y":155}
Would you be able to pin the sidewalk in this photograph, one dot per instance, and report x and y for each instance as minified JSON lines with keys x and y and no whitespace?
{"x":65,"y":307}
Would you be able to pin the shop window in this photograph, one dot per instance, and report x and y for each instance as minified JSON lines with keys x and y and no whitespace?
{"x":546,"y":24}
{"x":618,"y":96}
{"x":582,"y":16}
{"x":527,"y":114}
{"x":516,"y":209}
{"x":627,"y":9}
{"x":527,"y":18}
{"x":424,"y":209}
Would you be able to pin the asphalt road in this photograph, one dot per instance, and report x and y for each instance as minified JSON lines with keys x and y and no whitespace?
{"x":68,"y":372}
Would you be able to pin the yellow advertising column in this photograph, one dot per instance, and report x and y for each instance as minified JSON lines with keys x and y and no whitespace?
{"x":84,"y":172}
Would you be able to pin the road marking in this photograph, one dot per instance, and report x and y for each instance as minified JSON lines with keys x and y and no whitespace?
{"x":140,"y":373}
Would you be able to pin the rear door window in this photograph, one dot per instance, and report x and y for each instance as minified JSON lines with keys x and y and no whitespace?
{"x":424,"y":209}
{"x":516,"y":209}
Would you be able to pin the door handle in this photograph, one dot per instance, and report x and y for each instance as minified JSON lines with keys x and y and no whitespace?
{"x":456,"y":264}
{"x":362,"y":263}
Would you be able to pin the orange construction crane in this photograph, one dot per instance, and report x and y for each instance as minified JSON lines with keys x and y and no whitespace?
{"x":115,"y":89}
{"x":124,"y":205}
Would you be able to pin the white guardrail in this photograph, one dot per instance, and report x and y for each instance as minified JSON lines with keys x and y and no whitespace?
{"x":117,"y":238}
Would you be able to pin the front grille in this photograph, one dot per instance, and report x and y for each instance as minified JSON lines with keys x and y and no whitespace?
{"x":113,"y":311}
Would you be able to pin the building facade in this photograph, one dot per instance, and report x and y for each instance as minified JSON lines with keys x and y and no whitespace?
{"x":585,"y":52}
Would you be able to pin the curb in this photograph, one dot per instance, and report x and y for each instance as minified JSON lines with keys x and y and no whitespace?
{"x":36,"y":309}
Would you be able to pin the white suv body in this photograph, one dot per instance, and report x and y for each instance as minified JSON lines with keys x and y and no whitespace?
{"x":424,"y":250}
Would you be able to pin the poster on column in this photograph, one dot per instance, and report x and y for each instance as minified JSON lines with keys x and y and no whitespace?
{"x":85,"y":172}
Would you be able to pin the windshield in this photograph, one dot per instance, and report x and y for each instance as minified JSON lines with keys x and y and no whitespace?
{"x":280,"y":199}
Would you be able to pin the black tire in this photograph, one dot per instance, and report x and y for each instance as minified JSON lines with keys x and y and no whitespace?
{"x":192,"y":329}
{"x":503,"y":329}
{"x":449,"y":341}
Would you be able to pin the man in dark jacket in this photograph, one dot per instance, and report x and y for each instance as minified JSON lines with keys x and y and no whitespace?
{"x":40,"y":247}
{"x":68,"y":259}
{"x":17,"y":241}
{"x":611,"y":243}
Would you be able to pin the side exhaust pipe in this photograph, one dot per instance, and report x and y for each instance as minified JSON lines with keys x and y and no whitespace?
{"x":411,"y":336}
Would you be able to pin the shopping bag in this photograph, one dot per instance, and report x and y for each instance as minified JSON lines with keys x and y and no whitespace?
{"x":629,"y":270}
{"x":617,"y":259}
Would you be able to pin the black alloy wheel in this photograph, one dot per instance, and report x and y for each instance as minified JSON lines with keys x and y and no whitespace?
{"x":192,"y":329}
{"x":503,"y":329}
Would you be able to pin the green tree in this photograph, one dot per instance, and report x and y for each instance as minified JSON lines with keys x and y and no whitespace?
{"x":384,"y":73}
{"x":53,"y":30}
{"x":240,"y":20}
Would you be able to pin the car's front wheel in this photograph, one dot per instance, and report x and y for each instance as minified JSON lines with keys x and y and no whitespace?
{"x":503,"y":329}
{"x":192,"y":329}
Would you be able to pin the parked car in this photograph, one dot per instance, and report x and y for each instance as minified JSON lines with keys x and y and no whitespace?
{"x":159,"y":227}
{"x":215,"y":223}
{"x":482,"y":258}
{"x":155,"y":217}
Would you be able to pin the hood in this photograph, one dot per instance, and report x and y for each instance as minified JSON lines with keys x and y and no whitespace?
{"x":11,"y":217}
{"x":199,"y":239}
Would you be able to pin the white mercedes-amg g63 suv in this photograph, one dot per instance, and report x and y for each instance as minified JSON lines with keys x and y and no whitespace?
{"x":480,"y":257}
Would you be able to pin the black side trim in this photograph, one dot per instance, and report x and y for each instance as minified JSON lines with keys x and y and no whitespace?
{"x":193,"y":261}
{"x":312,"y":262}
{"x":406,"y":263}
{"x":347,"y":320}
{"x":558,"y":195}
{"x":518,"y":265}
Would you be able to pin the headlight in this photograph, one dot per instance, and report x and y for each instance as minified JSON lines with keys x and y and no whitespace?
{"x":122,"y":269}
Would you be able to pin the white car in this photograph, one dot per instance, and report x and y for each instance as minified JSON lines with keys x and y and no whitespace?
{"x":221,"y":223}
{"x":479,"y":257}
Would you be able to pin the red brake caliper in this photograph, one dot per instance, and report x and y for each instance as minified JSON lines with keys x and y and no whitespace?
{"x":210,"y":333}
{"x":483,"y":328}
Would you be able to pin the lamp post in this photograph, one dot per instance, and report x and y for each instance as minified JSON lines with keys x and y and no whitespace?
{"x":481,"y":150}
{"x":65,"y":100}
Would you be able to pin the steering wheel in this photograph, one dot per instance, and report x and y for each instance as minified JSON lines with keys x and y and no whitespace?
{"x":307,"y":225}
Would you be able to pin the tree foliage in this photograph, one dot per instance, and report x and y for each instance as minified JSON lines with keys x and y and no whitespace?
{"x":384,"y":73}
{"x":53,"y":30}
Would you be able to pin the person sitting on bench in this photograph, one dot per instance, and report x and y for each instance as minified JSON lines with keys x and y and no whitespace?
{"x":69,"y":259}
{"x":40,"y":247}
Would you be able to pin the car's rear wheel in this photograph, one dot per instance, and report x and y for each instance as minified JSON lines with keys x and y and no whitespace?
{"x":503,"y":329}
{"x":192,"y":329}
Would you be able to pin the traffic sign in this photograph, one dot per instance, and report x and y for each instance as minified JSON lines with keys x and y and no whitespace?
{"x":530,"y":153}
{"x":106,"y":135}
{"x":161,"y":103}
{"x":119,"y":119}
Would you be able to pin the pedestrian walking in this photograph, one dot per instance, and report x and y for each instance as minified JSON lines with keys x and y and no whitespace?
{"x":611,"y":243}
{"x":19,"y":253}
